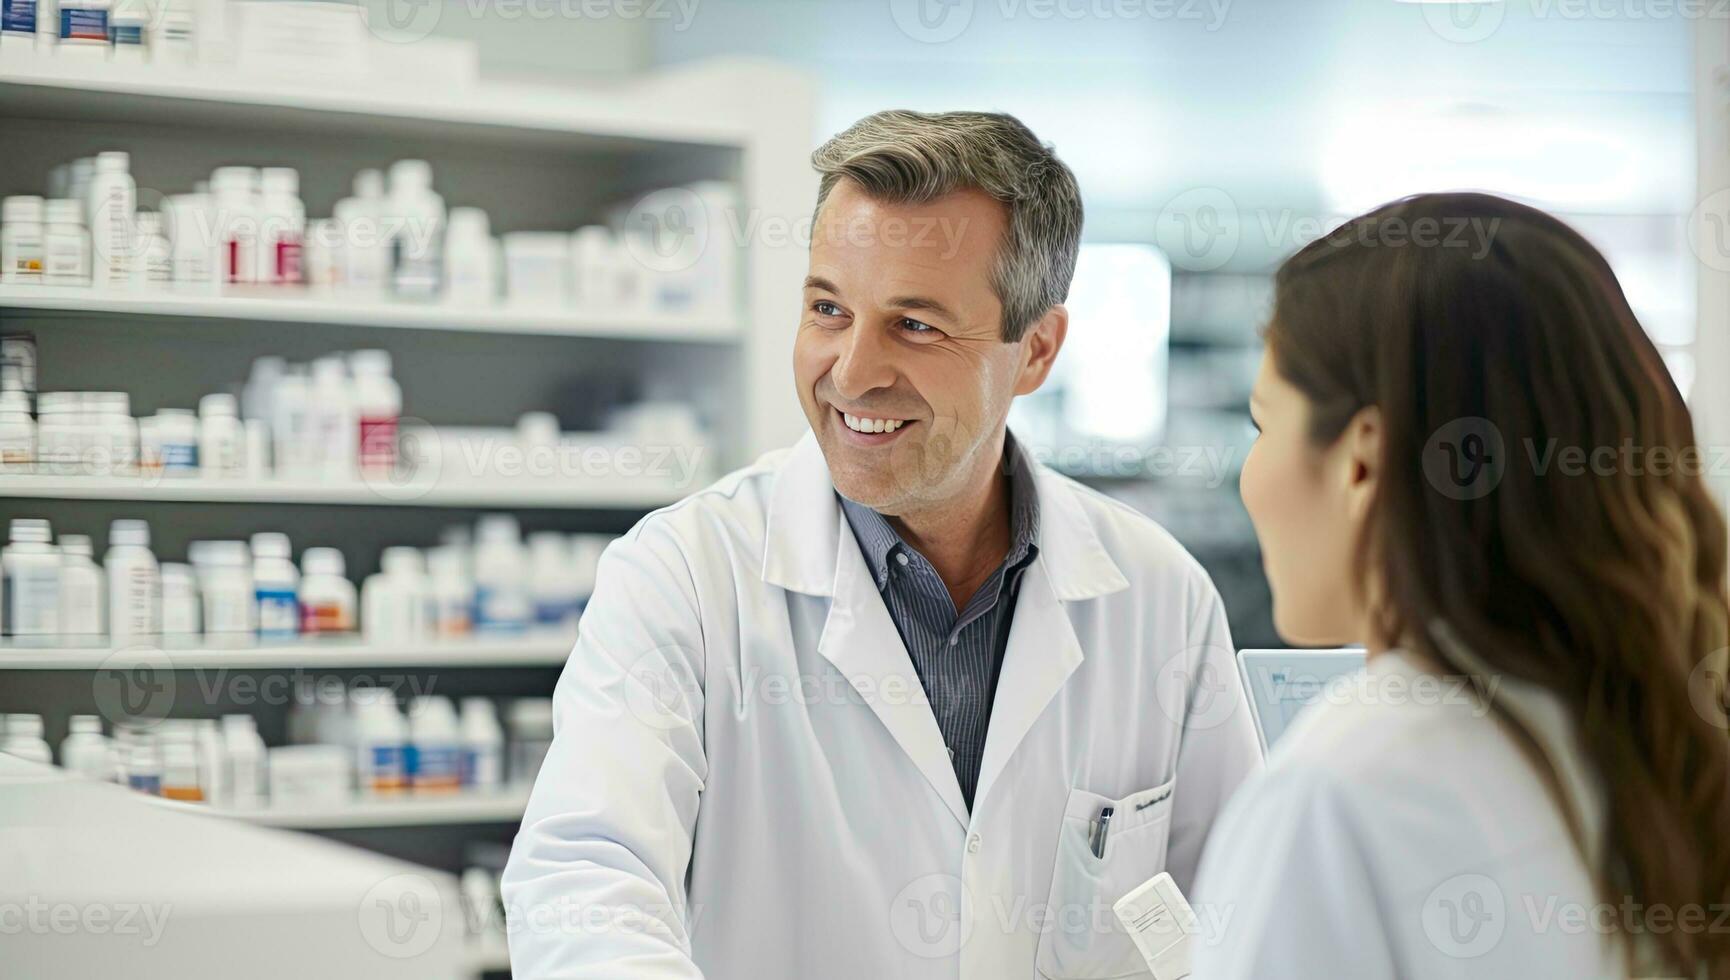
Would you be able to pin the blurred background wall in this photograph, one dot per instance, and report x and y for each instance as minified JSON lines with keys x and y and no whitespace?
{"x":1226,"y":134}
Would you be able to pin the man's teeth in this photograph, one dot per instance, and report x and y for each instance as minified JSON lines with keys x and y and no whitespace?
{"x":858,"y":424}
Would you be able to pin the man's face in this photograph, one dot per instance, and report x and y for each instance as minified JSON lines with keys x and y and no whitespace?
{"x":901,"y":331}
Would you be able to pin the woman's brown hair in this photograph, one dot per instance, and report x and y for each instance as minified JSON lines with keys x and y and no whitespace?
{"x":1491,"y":337}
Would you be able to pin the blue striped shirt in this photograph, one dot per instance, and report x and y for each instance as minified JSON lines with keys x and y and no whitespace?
{"x":957,"y":655}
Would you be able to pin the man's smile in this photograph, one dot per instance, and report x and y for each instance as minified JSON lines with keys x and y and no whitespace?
{"x":867,"y":430}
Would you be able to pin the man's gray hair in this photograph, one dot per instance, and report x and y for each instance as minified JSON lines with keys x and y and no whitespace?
{"x":907,"y":157}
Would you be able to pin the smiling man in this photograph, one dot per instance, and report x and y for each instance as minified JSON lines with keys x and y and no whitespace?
{"x":897,"y":701}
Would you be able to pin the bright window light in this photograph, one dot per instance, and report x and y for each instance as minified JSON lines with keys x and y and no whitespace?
{"x":1386,"y":152}
{"x":1109,"y":385}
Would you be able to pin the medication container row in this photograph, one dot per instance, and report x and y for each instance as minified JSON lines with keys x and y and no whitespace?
{"x":246,"y":229}
{"x":344,"y":742}
{"x":488,"y":583}
{"x":334,"y":420}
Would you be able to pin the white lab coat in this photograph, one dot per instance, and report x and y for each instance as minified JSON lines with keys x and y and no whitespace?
{"x":1398,"y":831}
{"x":746,"y":782}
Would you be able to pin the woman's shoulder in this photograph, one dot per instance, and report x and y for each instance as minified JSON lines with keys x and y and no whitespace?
{"x":1421,"y":764}
{"x":1377,"y":720}
{"x":1390,"y":809}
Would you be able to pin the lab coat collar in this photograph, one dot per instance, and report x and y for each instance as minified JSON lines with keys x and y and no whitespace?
{"x":800,"y":543}
{"x":810,"y":548}
{"x":1043,"y":651}
{"x":801,"y":546}
{"x":861,"y":641}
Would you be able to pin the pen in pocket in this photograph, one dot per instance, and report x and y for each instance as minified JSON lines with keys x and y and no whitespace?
{"x":1101,"y":827}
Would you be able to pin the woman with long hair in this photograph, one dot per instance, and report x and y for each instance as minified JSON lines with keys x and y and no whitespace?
{"x":1474,"y":463}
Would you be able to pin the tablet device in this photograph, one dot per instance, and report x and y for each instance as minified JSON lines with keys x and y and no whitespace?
{"x":1282,"y":683}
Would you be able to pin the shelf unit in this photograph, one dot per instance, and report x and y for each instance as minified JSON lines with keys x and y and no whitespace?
{"x":636,"y":494}
{"x":531,"y":650}
{"x":545,"y":158}
{"x":638,"y":112}
{"x":314,"y":308}
{"x":761,"y":113}
{"x":502,"y":806}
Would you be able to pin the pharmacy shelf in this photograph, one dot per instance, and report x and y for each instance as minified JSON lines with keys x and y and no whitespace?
{"x":503,"y":806}
{"x":278,"y":308}
{"x":640,"y":113}
{"x":616,"y":493}
{"x":745,"y":121}
{"x":532,"y":650}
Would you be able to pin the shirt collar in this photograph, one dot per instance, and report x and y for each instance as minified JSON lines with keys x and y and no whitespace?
{"x":878,"y":539}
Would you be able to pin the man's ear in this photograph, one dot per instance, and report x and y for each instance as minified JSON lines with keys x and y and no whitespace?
{"x":1362,"y":458}
{"x":1040,"y":346}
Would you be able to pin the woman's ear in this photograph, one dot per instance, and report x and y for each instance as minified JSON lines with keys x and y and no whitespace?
{"x":1362,"y":459}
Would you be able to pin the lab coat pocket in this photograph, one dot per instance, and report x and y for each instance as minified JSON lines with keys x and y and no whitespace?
{"x":1081,"y":938}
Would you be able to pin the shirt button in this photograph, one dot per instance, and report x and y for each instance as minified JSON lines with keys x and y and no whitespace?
{"x":973,"y":844}
{"x":901,"y":557}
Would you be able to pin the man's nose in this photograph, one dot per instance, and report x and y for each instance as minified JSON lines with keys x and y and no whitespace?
{"x":864,"y":363}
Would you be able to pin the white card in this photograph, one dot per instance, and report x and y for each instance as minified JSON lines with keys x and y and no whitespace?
{"x":1159,"y":919}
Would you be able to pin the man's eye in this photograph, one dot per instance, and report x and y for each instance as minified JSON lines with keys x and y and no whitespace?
{"x":825,"y":308}
{"x":914,"y":326}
